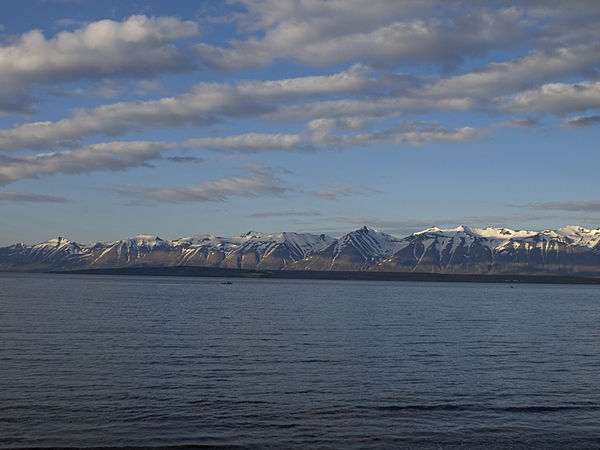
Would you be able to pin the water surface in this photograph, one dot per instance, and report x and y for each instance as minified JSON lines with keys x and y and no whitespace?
{"x":156,"y":361}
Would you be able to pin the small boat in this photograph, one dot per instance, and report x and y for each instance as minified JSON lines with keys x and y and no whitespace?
{"x":226,"y":282}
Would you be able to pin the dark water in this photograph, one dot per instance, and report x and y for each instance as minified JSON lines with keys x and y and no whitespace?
{"x":134,"y":361}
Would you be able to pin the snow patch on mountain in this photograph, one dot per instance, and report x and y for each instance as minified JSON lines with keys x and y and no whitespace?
{"x":363,"y":249}
{"x":369,"y":243}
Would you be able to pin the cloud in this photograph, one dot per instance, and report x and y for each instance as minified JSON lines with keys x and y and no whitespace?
{"x":112,"y":156}
{"x":258,"y":182}
{"x":410,"y":133}
{"x":186,"y":159}
{"x":575,"y":205}
{"x":593,"y":221}
{"x":558,"y":98}
{"x":478,"y":88}
{"x":118,"y":156}
{"x":205,"y":104}
{"x":354,"y":100}
{"x":328,"y":192}
{"x":539,"y":66}
{"x":517,"y":123}
{"x":249,"y":143}
{"x":136,"y":46}
{"x":289,"y":100}
{"x":507,"y":219}
{"x":375,"y":106}
{"x":287,"y":214}
{"x":581,"y":122}
{"x":320,"y":136}
{"x":325,"y":125}
{"x":15,"y":99}
{"x":379,"y":32}
{"x":29,"y":197}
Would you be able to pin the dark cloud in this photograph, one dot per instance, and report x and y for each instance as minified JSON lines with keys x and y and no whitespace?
{"x":186,"y":159}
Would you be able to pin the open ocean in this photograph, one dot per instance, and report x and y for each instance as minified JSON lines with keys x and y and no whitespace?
{"x":117,"y":361}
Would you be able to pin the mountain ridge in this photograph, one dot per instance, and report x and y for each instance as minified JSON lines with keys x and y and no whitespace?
{"x":571,"y":250}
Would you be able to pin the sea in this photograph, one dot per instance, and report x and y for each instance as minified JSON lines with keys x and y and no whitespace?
{"x":125,"y":361}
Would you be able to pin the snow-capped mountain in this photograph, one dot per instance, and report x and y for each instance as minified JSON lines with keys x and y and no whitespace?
{"x":54,"y":253}
{"x":357,"y":250}
{"x":247,"y":251}
{"x":252,"y":250}
{"x":497,"y":250}
{"x":568,"y":251}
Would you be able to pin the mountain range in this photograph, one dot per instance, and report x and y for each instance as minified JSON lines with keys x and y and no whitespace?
{"x":571,"y":250}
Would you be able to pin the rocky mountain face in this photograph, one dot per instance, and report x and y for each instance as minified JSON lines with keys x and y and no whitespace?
{"x":570,"y":250}
{"x":567,"y":251}
{"x":358,"y":250}
{"x":248,"y":251}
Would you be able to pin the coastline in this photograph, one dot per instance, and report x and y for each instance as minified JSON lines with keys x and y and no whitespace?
{"x":193,"y":271}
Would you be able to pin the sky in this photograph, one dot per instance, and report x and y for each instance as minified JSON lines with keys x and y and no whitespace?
{"x":202,"y":117}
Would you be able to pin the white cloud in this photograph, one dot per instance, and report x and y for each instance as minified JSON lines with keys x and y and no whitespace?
{"x":558,"y":98}
{"x":204,"y":104}
{"x":363,"y":98}
{"x":410,"y":133}
{"x":378,"y":32}
{"x":136,"y":46}
{"x":320,"y":135}
{"x":518,"y":74}
{"x":353,"y":80}
{"x":249,"y":143}
{"x":381,"y":106}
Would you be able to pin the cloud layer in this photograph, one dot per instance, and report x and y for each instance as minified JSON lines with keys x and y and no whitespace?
{"x":257,"y":182}
{"x":380,"y":32}
{"x":137,"y":46}
{"x":274,"y":77}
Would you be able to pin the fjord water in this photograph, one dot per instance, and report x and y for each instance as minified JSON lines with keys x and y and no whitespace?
{"x":154,"y":361}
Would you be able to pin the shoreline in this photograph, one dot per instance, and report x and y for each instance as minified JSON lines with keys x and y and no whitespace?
{"x":193,"y":271}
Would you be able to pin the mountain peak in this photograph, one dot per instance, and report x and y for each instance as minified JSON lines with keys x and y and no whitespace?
{"x":368,"y":242}
{"x":365,"y":230}
{"x":57,"y":241}
{"x":432,"y":229}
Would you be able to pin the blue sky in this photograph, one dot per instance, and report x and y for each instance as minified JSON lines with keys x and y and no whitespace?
{"x":182,"y":118}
